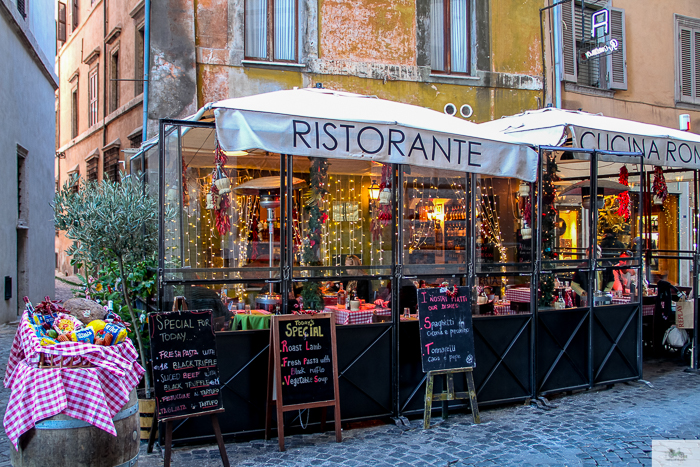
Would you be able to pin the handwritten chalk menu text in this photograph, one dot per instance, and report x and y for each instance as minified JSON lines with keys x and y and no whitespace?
{"x":446,"y":333}
{"x":306,"y":363}
{"x":185,"y":372}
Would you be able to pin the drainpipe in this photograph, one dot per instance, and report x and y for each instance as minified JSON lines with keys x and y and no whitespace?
{"x":146,"y":64}
{"x":556,"y":22}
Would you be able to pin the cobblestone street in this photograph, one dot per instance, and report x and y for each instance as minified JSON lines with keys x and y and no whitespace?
{"x":597,"y":427}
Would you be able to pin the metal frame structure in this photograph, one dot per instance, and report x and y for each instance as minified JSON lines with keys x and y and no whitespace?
{"x":520,"y":356}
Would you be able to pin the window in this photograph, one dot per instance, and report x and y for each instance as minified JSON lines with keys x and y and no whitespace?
{"x":61,"y":25}
{"x":111,"y":163}
{"x":92,"y":97}
{"x":22,"y":8}
{"x":21,"y":188}
{"x":139,"y":65}
{"x":75,"y":15}
{"x":74,"y":179}
{"x":688,"y":69}
{"x":114,"y":81}
{"x":74,"y":113}
{"x":91,"y":170}
{"x":450,"y":36}
{"x":595,"y":58}
{"x":274,"y":35}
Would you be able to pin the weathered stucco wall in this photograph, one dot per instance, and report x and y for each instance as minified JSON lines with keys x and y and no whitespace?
{"x":27,"y":120}
{"x":372,"y":30}
{"x":173,"y":85}
{"x":515,"y":36}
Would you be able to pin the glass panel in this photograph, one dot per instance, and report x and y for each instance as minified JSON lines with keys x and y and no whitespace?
{"x":435,"y":221}
{"x":437,"y":35}
{"x":227,"y":217}
{"x":341,"y":217}
{"x":565,"y":224}
{"x":256,"y":28}
{"x":459,"y":21}
{"x":499,"y":213}
{"x":501,"y":295}
{"x":172,"y":238}
{"x":285,"y":29}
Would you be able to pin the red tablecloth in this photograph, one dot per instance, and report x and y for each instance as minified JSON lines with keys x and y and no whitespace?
{"x":93,"y":395}
{"x":518,"y":294}
{"x":363,"y":316}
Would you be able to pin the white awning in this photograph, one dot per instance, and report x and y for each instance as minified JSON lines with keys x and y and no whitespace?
{"x":338,"y":125}
{"x":548,"y":127}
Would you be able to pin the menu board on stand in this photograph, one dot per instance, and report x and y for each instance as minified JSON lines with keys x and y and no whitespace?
{"x":447,"y":344}
{"x":303,"y":369}
{"x":185,"y":371}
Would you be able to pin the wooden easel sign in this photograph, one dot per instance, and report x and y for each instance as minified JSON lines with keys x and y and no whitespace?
{"x":185,"y":371}
{"x":447,"y":344}
{"x":303,"y":369}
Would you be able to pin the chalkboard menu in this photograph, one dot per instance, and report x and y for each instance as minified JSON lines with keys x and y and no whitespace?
{"x":303,"y":368}
{"x":185,"y":372}
{"x":446,"y":333}
{"x":306,"y":360}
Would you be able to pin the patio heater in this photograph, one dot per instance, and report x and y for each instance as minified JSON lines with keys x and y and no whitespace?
{"x":267,"y":188}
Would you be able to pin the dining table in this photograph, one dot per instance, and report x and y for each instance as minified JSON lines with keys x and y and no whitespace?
{"x":362,"y":316}
{"x":257,"y":319}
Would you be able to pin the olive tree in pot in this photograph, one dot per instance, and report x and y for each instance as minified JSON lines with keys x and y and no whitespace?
{"x":110,"y":221}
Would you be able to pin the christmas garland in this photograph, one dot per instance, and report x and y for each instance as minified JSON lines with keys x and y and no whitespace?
{"x":318,"y":171}
{"x":659,"y":188}
{"x":623,"y":207}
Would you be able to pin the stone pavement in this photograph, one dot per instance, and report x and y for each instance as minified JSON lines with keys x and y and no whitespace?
{"x":597,"y":427}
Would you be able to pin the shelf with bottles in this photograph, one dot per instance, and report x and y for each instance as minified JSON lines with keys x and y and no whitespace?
{"x":455,"y":212}
{"x":456,"y":231}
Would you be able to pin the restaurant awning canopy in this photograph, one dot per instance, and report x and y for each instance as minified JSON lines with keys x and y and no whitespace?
{"x":660,"y":145}
{"x":340,"y":125}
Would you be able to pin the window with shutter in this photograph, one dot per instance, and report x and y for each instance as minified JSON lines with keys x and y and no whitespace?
{"x":61,"y":24}
{"x":604,"y":71}
{"x":688,"y":59}
{"x":22,"y":8}
{"x":92,"y":98}
{"x":75,"y":15}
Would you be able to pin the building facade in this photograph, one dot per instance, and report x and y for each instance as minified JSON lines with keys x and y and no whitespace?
{"x":27,"y":135}
{"x":482,"y":57}
{"x":99,"y":103}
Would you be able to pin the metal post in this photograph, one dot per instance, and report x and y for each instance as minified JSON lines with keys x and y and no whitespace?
{"x":536,"y":251}
{"x":396,"y":262}
{"x":592,"y":257}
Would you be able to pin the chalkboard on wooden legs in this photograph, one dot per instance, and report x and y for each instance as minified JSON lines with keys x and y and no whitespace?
{"x":446,"y":333}
{"x":303,"y":369}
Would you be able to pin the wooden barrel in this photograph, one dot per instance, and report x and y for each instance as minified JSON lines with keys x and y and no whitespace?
{"x":63,"y":440}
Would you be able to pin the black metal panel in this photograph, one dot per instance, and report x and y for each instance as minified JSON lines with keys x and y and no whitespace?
{"x":364,"y":367}
{"x":615,"y":343}
{"x":562,"y":350}
{"x":503,"y":363}
{"x":503,"y":349}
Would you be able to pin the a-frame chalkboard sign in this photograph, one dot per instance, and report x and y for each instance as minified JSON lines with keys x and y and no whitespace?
{"x":185,"y":371}
{"x":303,"y":369}
{"x":447,"y":345}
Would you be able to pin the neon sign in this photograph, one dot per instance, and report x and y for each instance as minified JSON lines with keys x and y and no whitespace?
{"x":605,"y":49}
{"x":600,"y":19}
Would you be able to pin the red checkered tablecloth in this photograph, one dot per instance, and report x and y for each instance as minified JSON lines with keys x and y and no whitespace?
{"x":647,"y":310}
{"x":363,"y":316}
{"x":518,"y":294}
{"x":93,"y":395}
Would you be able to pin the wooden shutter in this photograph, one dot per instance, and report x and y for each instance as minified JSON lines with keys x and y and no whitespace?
{"x":686,"y":64}
{"x":61,"y":31}
{"x":568,"y":46}
{"x":21,"y":7}
{"x":75,"y":15}
{"x":617,"y":61}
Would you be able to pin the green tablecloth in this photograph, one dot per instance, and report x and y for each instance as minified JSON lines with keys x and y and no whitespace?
{"x":248,"y":322}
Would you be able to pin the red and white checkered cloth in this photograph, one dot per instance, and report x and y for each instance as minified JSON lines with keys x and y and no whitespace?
{"x":364,"y":316}
{"x":93,"y":395}
{"x":518,"y":294}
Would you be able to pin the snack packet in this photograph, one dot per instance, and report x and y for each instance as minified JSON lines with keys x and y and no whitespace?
{"x":85,"y":335}
{"x":114,"y":334}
